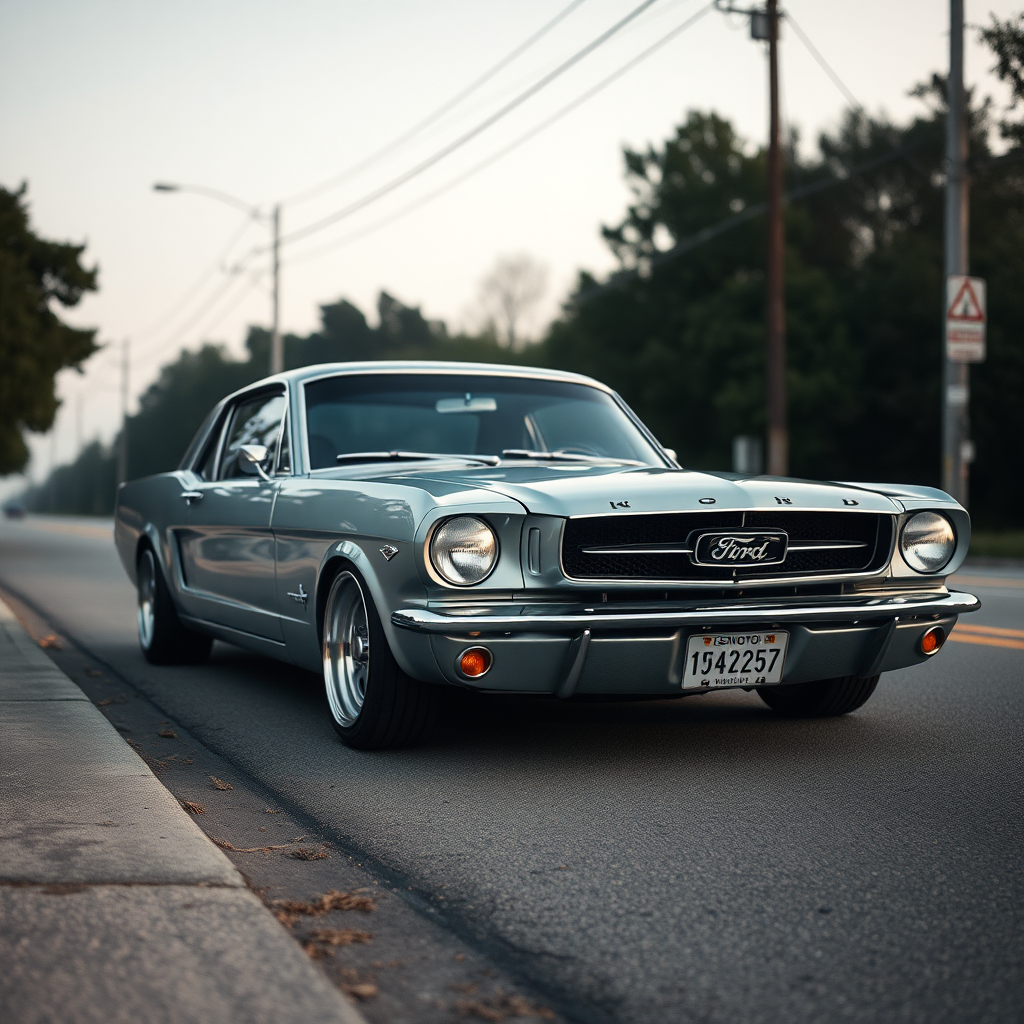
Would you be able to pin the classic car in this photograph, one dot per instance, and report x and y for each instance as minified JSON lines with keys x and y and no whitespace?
{"x":401,"y":527}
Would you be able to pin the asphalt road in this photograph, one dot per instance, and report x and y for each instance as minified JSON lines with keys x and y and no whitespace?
{"x":695,"y":860}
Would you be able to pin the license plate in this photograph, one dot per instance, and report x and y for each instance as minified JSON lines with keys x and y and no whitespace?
{"x":734,"y":659}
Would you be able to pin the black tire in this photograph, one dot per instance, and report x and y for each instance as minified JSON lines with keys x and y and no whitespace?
{"x":823,"y":698}
{"x":373,"y":704}
{"x":162,"y":637}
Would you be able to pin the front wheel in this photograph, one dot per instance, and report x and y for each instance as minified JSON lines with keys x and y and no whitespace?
{"x":374,"y":704}
{"x":162,"y":637}
{"x":819,"y":699}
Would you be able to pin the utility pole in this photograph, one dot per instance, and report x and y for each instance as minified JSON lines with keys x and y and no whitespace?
{"x":955,"y":375}
{"x":276,"y":342}
{"x":78,"y":424}
{"x":775,"y":376}
{"x":122,"y":448}
{"x":764,"y":26}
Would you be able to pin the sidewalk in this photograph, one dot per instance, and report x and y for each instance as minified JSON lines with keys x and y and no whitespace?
{"x":114,"y":906}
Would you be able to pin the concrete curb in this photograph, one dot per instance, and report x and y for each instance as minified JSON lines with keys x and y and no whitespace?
{"x":114,"y":904}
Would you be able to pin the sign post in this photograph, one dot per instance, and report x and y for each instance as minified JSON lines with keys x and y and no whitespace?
{"x":965,"y":319}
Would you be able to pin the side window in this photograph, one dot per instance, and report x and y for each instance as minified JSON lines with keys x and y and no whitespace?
{"x":255,"y":420}
{"x":206,"y":464}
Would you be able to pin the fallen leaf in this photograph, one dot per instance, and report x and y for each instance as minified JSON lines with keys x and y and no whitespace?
{"x":308,"y":853}
{"x":225,"y":845}
{"x":499,"y":1006}
{"x":220,"y":783}
{"x":362,"y":991}
{"x":193,"y":808}
{"x":168,"y":734}
{"x":52,"y":642}
{"x":339,"y":936}
{"x":103,"y":703}
{"x":332,"y":900}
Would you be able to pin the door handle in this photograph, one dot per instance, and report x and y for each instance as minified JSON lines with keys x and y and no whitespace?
{"x":191,"y":496}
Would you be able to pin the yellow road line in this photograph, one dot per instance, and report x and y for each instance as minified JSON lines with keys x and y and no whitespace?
{"x":985,"y":581}
{"x":970,"y":627}
{"x":988,"y":641}
{"x":75,"y":529}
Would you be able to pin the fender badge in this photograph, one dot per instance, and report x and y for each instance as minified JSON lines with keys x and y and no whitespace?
{"x":301,"y":597}
{"x":707,"y":501}
{"x":389,"y":552}
{"x":850,"y":501}
{"x":619,"y":504}
{"x":783,"y":501}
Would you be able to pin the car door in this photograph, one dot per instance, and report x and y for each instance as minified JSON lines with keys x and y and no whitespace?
{"x":227,"y":547}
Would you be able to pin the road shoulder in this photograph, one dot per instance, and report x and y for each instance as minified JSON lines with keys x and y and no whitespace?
{"x":115,"y":905}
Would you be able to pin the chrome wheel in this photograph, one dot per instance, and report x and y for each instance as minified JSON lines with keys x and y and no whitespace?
{"x":346,"y":650}
{"x":146,"y":614}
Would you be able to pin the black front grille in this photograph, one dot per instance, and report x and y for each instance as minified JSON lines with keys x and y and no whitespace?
{"x":870,"y":531}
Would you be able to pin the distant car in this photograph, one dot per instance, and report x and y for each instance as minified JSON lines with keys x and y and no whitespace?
{"x":14,"y":510}
{"x":402,"y":526}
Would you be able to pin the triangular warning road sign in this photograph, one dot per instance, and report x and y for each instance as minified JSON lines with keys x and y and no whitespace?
{"x":965,"y":305}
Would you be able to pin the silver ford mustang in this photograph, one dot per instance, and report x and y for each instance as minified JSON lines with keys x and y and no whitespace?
{"x":402,"y":525}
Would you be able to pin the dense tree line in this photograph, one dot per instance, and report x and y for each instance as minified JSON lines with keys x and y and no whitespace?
{"x":172,"y":408}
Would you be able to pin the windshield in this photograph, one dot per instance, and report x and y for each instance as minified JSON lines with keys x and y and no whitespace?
{"x":469,"y":415}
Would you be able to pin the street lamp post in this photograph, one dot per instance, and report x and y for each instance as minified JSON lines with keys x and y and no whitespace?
{"x":276,"y":341}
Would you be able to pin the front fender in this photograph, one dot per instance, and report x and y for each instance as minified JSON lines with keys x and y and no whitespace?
{"x":415,"y":659}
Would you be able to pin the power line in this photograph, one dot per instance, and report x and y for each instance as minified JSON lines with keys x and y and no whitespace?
{"x":824,"y":64}
{"x":227,"y":285}
{"x":435,"y":158}
{"x":193,"y":290}
{"x":890,"y":134}
{"x":431,"y":118}
{"x":505,"y":150}
{"x":254,"y":282}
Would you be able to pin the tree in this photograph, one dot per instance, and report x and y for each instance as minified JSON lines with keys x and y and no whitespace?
{"x":509,"y":296}
{"x":1006,"y":40}
{"x":34,"y":343}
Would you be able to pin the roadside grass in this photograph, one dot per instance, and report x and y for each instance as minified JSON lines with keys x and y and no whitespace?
{"x":997,"y":544}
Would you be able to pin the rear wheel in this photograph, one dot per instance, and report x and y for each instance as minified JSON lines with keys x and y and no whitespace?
{"x":162,"y":637}
{"x":819,"y":699}
{"x":374,"y":704}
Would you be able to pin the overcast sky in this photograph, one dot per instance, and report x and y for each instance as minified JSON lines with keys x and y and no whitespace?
{"x":264,"y":101}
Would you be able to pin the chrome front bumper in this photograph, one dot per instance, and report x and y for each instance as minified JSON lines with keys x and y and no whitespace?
{"x":572,"y":619}
{"x":569,"y":649}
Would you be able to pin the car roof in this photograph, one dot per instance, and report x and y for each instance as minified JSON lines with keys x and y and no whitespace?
{"x":431,"y":366}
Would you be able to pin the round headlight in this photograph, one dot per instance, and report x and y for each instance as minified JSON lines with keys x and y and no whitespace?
{"x":927,"y":542}
{"x":464,"y":550}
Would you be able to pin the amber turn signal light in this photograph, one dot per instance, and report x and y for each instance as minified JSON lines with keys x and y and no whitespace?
{"x":475,"y":662}
{"x":932,"y":640}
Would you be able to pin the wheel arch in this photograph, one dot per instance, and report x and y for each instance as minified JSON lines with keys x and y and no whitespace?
{"x":349,"y":554}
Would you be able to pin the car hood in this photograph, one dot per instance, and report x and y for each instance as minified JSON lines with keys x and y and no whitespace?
{"x":574,"y":489}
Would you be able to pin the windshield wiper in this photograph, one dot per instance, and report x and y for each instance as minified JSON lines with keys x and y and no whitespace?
{"x":526,"y":453}
{"x":398,"y":456}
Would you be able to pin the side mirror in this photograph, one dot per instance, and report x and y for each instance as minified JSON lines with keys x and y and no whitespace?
{"x":671,"y":453}
{"x":256,"y":455}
